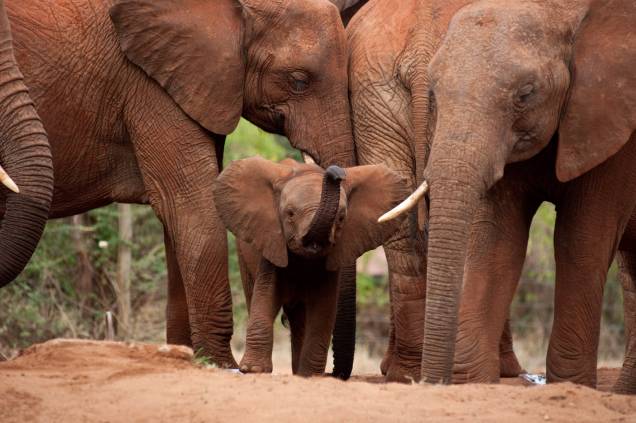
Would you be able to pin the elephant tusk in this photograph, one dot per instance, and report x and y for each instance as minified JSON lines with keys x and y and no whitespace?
{"x":8,"y":182}
{"x":406,"y":205}
{"x":307,"y":159}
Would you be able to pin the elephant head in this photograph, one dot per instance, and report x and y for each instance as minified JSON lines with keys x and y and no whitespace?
{"x":509,"y":78}
{"x":305,"y":210}
{"x":25,"y":154}
{"x":281,"y":64}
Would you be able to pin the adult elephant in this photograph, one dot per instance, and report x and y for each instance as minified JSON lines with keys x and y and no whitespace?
{"x":390,"y":48}
{"x":26,"y":155}
{"x":509,"y":80}
{"x":137,"y":96}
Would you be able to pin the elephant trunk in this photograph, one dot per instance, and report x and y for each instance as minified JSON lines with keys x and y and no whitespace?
{"x":320,"y":227}
{"x":338,"y":148}
{"x":25,"y":154}
{"x":461,"y":170}
{"x":331,"y":143}
{"x":344,"y":334}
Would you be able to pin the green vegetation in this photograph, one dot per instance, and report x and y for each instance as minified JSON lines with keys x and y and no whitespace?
{"x":63,"y":293}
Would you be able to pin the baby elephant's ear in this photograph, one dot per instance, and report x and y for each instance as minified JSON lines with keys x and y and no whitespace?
{"x":371,"y":192}
{"x":245,"y":195}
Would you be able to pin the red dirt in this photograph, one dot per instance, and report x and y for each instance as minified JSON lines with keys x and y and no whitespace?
{"x":68,"y":380}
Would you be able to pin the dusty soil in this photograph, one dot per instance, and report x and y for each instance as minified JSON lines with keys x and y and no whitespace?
{"x":68,"y":380}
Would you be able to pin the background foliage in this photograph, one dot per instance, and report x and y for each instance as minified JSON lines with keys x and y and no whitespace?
{"x":61,"y":294}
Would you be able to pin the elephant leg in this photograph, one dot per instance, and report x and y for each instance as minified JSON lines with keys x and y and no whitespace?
{"x":296,"y":316}
{"x":247,"y":266}
{"x":626,"y":383}
{"x":583,"y":256}
{"x":497,"y":250}
{"x":177,"y":320}
{"x":260,"y":327}
{"x":177,"y":159}
{"x":406,"y":256}
{"x":344,"y":331}
{"x":382,"y":136}
{"x":591,"y":219}
{"x":320,"y":318}
{"x":508,"y":364}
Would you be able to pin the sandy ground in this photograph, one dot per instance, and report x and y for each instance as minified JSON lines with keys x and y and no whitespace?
{"x":76,"y":381}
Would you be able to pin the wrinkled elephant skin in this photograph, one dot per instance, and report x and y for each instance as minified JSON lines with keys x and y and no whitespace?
{"x":136,"y":118}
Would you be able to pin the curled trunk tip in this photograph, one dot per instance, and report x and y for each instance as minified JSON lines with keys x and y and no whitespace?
{"x":320,"y":227}
{"x":335,"y":174}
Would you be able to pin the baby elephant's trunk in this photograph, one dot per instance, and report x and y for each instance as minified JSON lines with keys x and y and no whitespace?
{"x":320,"y":228}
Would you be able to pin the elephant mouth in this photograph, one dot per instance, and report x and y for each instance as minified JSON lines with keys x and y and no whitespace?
{"x":315,"y":249}
{"x":311,"y":250}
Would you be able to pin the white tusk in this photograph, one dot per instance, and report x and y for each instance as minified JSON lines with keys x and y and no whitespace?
{"x":8,"y":182}
{"x":406,"y":205}
{"x":307,"y":159}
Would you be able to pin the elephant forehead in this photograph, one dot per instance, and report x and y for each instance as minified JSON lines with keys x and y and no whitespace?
{"x":302,"y":191}
{"x":309,"y":27}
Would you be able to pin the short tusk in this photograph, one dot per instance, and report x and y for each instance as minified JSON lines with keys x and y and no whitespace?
{"x":8,"y":182}
{"x":307,"y":159}
{"x":406,"y":205}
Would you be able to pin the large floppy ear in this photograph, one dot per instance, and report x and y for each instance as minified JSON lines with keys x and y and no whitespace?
{"x":193,"y":49}
{"x":371,"y":191}
{"x":246,"y":196}
{"x":600,"y":115}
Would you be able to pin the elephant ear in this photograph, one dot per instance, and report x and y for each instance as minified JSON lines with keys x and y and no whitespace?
{"x":371,"y":191}
{"x":246,"y":198}
{"x":193,"y":49}
{"x":600,"y":115}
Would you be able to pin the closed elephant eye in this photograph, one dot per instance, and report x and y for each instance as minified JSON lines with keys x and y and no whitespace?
{"x":299,"y":82}
{"x":525,"y":93}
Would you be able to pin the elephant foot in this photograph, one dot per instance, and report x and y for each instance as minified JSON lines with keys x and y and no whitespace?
{"x":482,"y":371}
{"x":312,"y":373}
{"x":509,"y":365}
{"x":626,"y":383}
{"x":386,"y":362}
{"x":223,"y":360}
{"x":255,"y":366}
{"x":403,"y":374}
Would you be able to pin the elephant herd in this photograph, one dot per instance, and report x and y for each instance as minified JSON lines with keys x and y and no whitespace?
{"x":484,"y":108}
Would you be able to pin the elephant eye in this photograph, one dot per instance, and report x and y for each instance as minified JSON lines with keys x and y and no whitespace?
{"x":299,"y":82}
{"x":290,"y":213}
{"x":525,"y":93}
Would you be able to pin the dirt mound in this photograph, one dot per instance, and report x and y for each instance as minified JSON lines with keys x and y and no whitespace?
{"x":66,"y":380}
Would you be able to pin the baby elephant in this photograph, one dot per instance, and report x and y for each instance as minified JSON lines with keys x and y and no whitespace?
{"x":296,"y":225}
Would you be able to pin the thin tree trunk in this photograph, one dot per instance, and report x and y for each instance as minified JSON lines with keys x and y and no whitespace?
{"x":84,"y":281}
{"x":124,"y":259}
